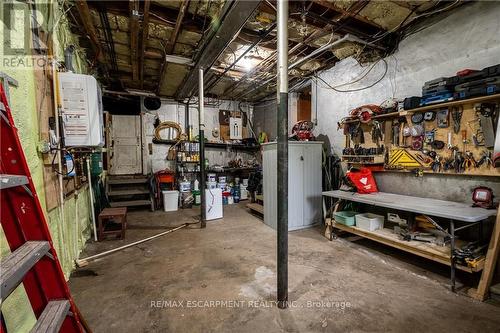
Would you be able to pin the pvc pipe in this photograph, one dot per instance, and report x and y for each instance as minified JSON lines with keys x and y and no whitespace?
{"x":91,"y":192}
{"x":85,"y":261}
{"x":57,"y":109}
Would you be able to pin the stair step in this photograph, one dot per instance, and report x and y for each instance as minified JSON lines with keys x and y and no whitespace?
{"x":7,"y":181}
{"x":128,"y":192}
{"x":141,"y":180}
{"x":14,"y":267}
{"x":130,"y":203}
{"x":52,"y":317}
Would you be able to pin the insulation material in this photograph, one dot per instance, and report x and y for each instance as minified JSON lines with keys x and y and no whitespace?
{"x":342,"y":4}
{"x":159,"y":31}
{"x":122,"y":23}
{"x":347,"y":49}
{"x":311,"y":65}
{"x":175,"y":76}
{"x":386,"y":14}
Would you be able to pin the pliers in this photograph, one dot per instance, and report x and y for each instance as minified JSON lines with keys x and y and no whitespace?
{"x":469,"y":161}
{"x":485,"y":158}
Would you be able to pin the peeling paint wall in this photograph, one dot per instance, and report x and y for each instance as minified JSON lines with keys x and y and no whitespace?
{"x":69,"y":239}
{"x":173,"y":111}
{"x":468,"y":38}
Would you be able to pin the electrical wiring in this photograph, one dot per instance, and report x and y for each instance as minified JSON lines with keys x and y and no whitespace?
{"x":66,"y":152}
{"x":357,"y":89}
{"x":413,"y":19}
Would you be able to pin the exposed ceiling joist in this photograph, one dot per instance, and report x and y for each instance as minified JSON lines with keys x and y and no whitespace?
{"x":84,"y":11}
{"x":145,"y":34}
{"x":134,"y":37}
{"x":171,"y":42}
{"x":232,"y":18}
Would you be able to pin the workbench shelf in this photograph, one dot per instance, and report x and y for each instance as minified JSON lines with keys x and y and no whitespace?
{"x":386,"y":236}
{"x":431,"y":107}
{"x":218,"y":145}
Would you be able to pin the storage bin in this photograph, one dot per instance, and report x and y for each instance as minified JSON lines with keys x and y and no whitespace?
{"x":170,"y":200}
{"x":345,"y":217}
{"x":369,"y":221}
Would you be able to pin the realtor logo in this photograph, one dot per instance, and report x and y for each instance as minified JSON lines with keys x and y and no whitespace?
{"x":22,"y":23}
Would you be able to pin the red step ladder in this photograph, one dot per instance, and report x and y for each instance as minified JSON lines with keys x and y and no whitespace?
{"x":33,"y":260}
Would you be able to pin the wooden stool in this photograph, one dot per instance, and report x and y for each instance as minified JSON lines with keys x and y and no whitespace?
{"x":112,"y":215}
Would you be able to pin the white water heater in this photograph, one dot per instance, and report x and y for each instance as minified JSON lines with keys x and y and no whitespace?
{"x":82,"y":111}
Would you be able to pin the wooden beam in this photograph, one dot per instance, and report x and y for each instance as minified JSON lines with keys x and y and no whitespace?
{"x":144,"y":39}
{"x":483,"y":289}
{"x":349,"y":13}
{"x":171,"y":42}
{"x":84,"y":12}
{"x":233,"y":16}
{"x":134,"y":37}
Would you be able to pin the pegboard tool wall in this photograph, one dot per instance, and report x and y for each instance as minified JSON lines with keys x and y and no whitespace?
{"x":468,"y":122}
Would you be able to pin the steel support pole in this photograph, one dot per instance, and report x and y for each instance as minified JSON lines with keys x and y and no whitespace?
{"x":282,"y":121}
{"x":201,"y":112}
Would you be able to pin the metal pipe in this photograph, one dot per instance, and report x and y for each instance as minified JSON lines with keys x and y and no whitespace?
{"x":253,"y":45}
{"x":201,"y":112}
{"x":282,"y":121}
{"x":348,"y":37}
{"x":85,"y":261}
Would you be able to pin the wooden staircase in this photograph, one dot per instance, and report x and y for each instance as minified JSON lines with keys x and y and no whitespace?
{"x":129,"y":191}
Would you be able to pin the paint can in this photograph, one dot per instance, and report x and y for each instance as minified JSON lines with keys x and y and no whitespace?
{"x":211,"y":177}
{"x":185,"y":186}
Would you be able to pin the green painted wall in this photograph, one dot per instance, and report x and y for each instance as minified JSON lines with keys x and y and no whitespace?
{"x":68,"y":238}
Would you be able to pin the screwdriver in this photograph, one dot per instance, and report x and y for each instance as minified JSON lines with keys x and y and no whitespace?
{"x":464,"y":138}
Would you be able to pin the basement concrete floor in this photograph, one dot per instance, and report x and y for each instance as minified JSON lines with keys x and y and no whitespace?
{"x":162,"y":285}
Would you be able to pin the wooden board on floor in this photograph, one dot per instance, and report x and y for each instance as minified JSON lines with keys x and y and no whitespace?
{"x":482,"y":291}
{"x":256,"y":208}
{"x":433,"y":252}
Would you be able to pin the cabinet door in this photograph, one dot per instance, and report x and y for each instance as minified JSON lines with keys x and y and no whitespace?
{"x":270,"y":184}
{"x":312,"y":184}
{"x":296,"y":161}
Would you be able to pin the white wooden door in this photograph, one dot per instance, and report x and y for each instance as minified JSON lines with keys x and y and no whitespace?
{"x":126,"y":146}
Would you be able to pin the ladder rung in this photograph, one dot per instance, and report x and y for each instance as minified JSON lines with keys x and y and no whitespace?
{"x":7,"y":181}
{"x":14,"y":267}
{"x":52,"y":317}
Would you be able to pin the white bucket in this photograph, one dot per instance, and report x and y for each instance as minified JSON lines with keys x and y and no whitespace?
{"x":170,"y":200}
{"x":212,"y":177}
{"x":222,"y":179}
{"x":211,"y":185}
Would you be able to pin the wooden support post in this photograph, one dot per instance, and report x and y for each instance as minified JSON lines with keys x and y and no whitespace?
{"x":482,"y":291}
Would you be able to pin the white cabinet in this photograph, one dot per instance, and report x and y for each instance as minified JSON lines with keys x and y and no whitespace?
{"x":304,"y":184}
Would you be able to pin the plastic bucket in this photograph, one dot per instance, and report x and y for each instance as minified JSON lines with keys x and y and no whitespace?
{"x":170,"y":200}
